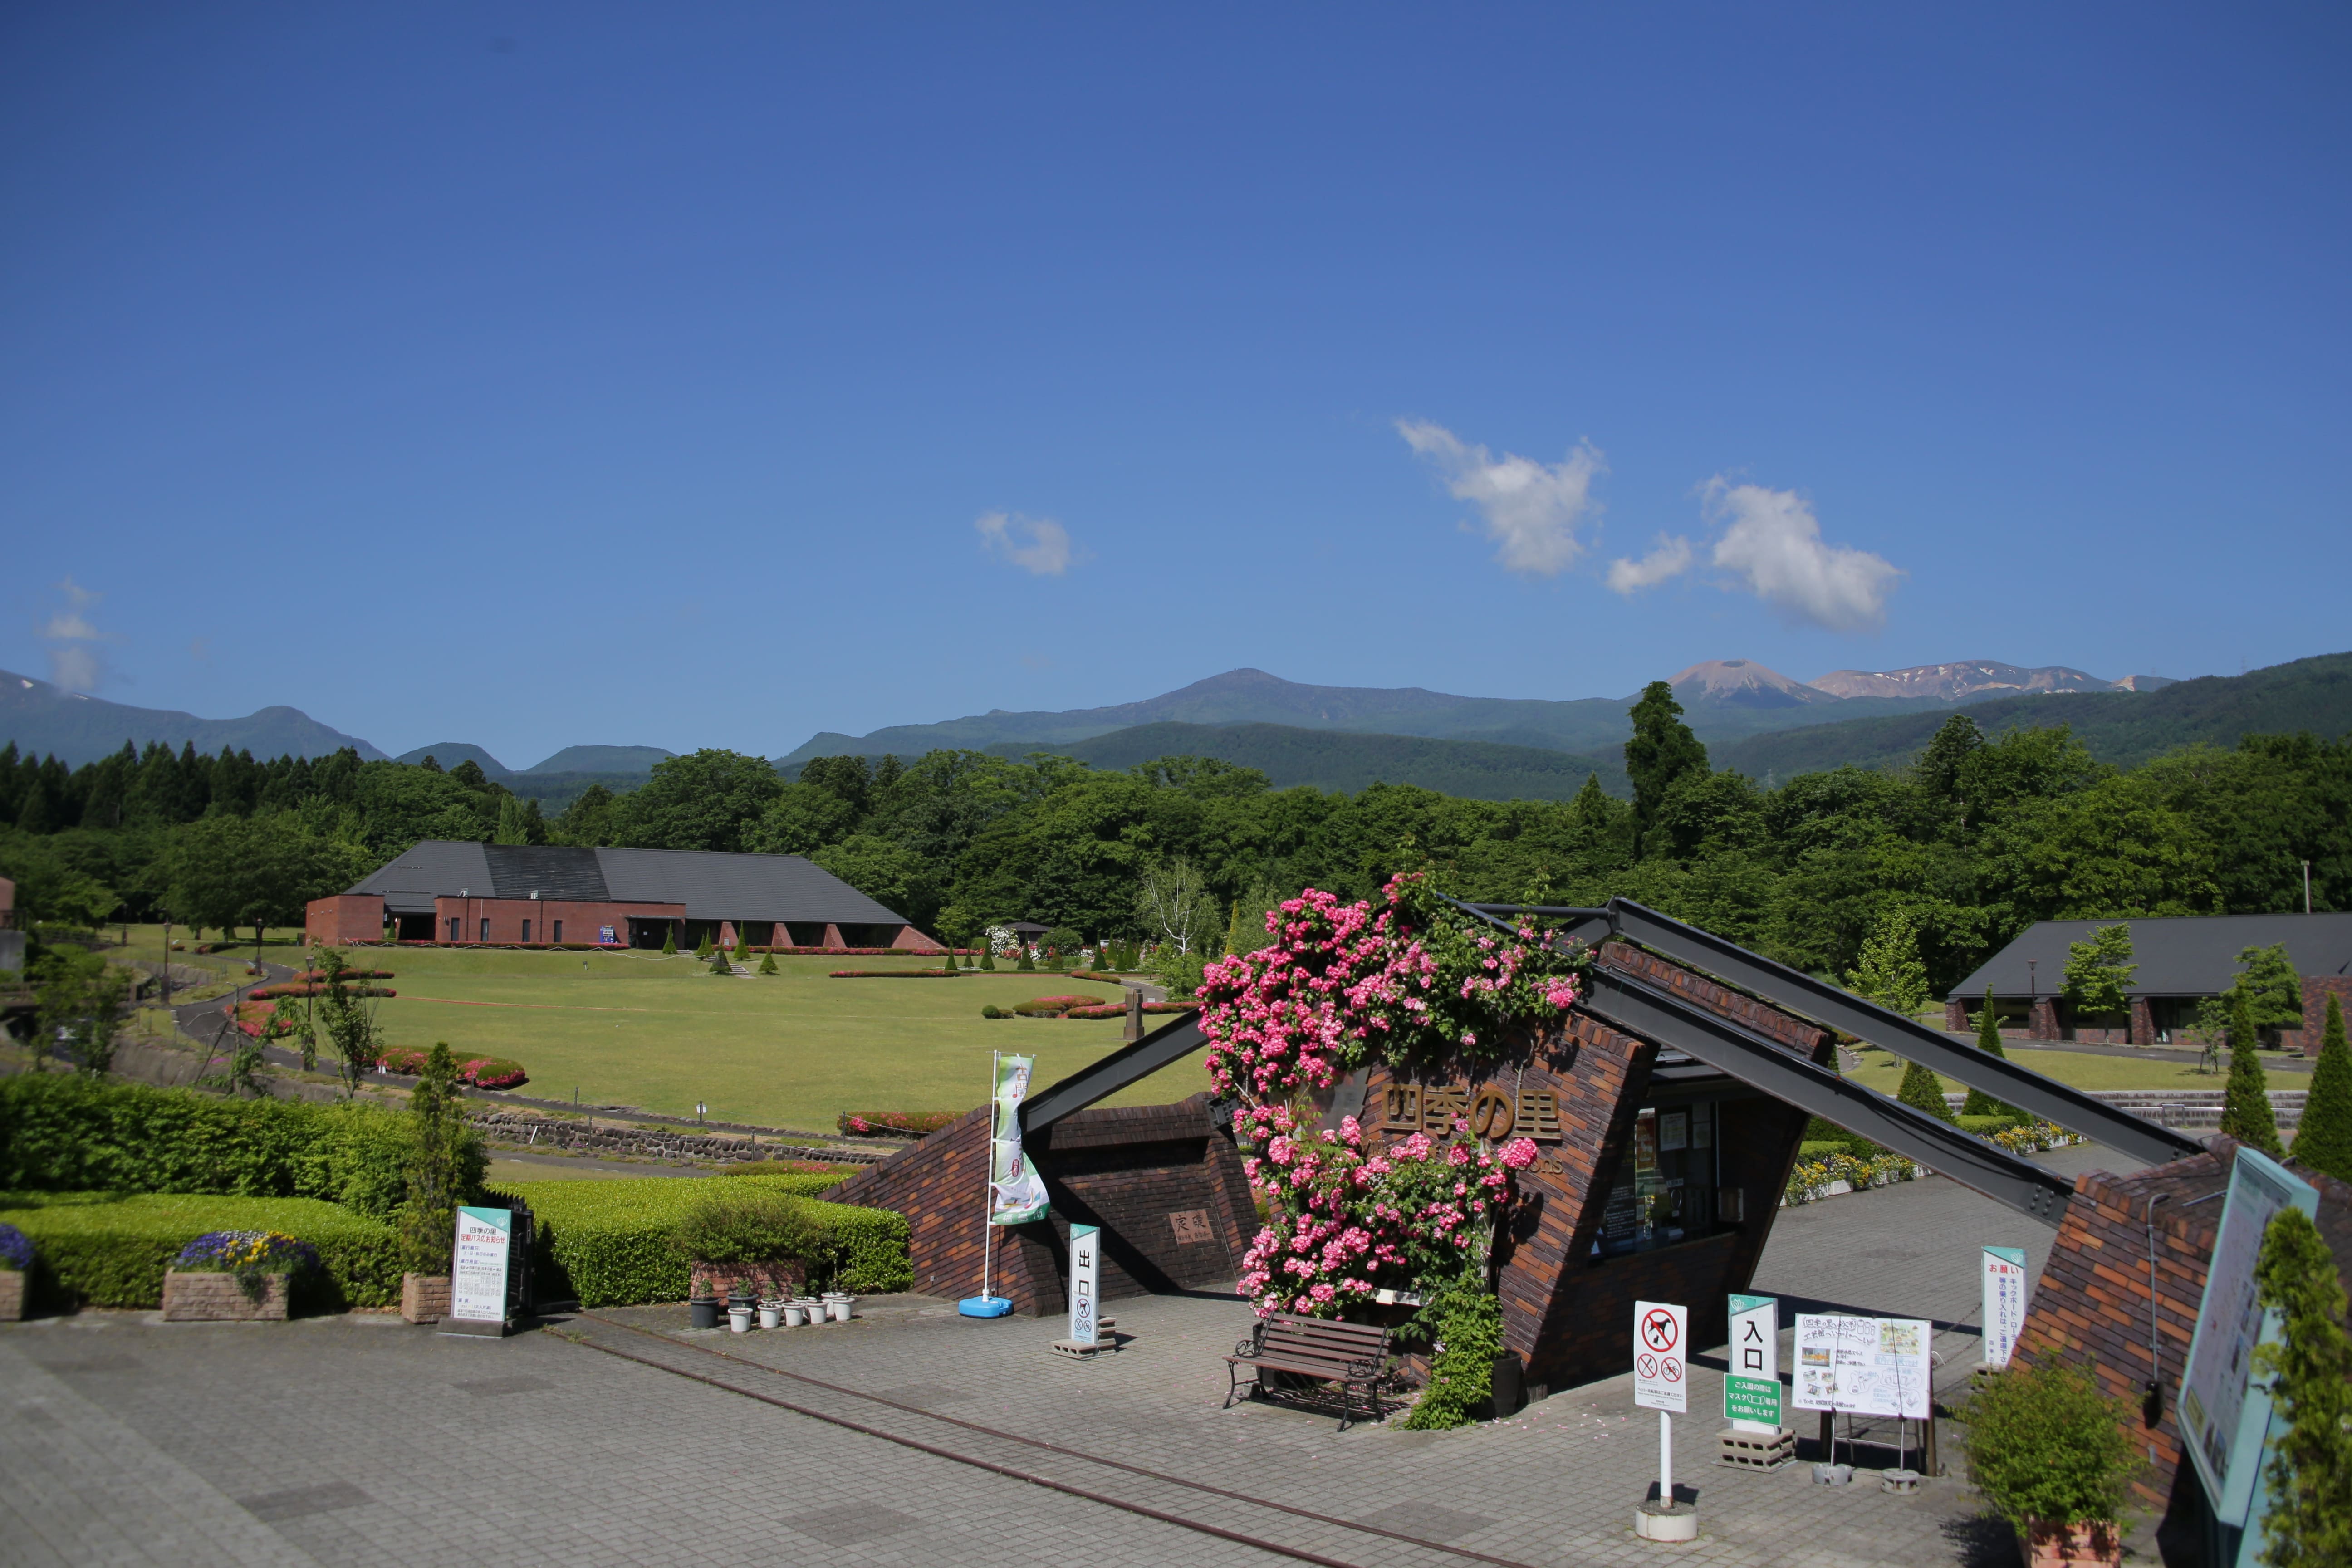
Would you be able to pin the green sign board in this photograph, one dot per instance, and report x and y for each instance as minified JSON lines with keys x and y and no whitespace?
{"x":1751,"y":1399}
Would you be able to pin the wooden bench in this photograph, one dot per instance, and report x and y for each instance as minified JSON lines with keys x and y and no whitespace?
{"x":1349,"y":1354}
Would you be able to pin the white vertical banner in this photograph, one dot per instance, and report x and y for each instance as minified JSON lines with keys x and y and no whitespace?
{"x":2004,"y":1303}
{"x":1086,"y":1283}
{"x":478,"y":1266}
{"x":1661,"y":1375}
{"x":1751,"y":1391}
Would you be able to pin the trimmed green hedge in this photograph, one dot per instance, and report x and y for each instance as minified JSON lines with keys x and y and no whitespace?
{"x":69,"y":1134}
{"x":606,"y":1244}
{"x":101,"y":1249}
{"x":1986,"y":1126}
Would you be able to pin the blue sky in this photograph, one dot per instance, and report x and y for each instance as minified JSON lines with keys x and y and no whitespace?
{"x":708,"y":375}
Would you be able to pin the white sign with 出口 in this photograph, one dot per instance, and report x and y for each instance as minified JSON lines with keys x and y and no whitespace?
{"x":2004,"y":1303}
{"x":478,"y":1266}
{"x":1086,"y":1283}
{"x":1869,"y":1366}
{"x":1661,"y":1377}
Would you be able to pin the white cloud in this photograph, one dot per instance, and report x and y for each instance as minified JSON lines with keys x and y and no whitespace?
{"x":1037,"y":545}
{"x":1672,"y":558}
{"x":74,"y":665}
{"x":1772,"y":542}
{"x":1531,"y":511}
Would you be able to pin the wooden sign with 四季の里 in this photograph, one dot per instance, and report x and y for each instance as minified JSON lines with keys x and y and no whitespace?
{"x":1492,"y":1112}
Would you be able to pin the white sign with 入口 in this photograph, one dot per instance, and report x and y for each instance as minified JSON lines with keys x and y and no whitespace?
{"x":1661,"y":1377}
{"x":2004,"y":1303}
{"x":1751,"y":1389}
{"x":1867,"y":1366}
{"x":478,"y":1266}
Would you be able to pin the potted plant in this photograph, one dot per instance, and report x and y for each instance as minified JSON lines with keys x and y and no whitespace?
{"x":2050,"y":1453}
{"x":16,"y":1272}
{"x":444,"y":1169}
{"x":235,"y":1276}
{"x":745,"y":1243}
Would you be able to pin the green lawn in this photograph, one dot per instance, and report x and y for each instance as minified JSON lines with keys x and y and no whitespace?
{"x":1884,"y":1072}
{"x":793,"y":1049}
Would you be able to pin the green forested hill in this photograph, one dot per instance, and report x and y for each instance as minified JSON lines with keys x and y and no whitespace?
{"x":2124,"y":728}
{"x":1339,"y":760}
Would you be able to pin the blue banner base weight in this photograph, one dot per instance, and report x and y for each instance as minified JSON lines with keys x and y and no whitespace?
{"x":983,"y":1306}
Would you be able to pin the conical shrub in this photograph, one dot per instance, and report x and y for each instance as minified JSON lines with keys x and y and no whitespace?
{"x":768,"y":965}
{"x":2324,"y":1141}
{"x":1922,"y":1090}
{"x":1989,"y":1041}
{"x":669,"y":942}
{"x":2246,"y":1103}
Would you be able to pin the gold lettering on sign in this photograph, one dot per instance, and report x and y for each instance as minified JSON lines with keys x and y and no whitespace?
{"x":1440,"y":1107}
{"x":1191,"y":1226}
{"x":1539,"y":1113}
{"x":1400,"y":1108}
{"x":1490,"y":1114}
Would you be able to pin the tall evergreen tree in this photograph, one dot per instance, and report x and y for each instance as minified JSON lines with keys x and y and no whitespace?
{"x":1989,"y":1041}
{"x":439,"y":1166}
{"x":2309,"y":1370}
{"x":509,"y":829}
{"x":2324,"y":1141}
{"x":1662,"y":753}
{"x":2246,"y":1101}
{"x":2273,"y":991}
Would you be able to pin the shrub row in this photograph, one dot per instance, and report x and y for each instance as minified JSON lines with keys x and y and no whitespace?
{"x":912,"y":1123}
{"x":890,"y":974}
{"x":606,"y":1244}
{"x":101,"y":1249}
{"x":318,"y":976}
{"x":69,"y":1134}
{"x":298,"y":991}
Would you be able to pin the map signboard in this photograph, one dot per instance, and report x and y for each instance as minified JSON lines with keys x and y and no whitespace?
{"x":1661,"y":1379}
{"x":1751,"y":1391}
{"x":1863,"y":1366}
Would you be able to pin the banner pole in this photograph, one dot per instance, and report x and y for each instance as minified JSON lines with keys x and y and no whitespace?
{"x":987,"y":1189}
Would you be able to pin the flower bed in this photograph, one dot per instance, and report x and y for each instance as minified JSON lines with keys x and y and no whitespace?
{"x":493,"y":1072}
{"x":299,"y":989}
{"x":894,"y":1123}
{"x":892,"y":973}
{"x":608,"y":1243}
{"x":1821,"y":1178}
{"x":1108,"y":1010}
{"x":105,"y":1249}
{"x":1053,"y":1007}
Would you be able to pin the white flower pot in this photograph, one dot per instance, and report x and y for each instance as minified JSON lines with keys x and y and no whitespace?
{"x":794,"y":1314}
{"x":838,"y":1304}
{"x":770,"y":1314}
{"x":812,"y":1309}
{"x":739,"y":1319}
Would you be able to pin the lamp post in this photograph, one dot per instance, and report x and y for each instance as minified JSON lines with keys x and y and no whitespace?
{"x":2033,"y":999}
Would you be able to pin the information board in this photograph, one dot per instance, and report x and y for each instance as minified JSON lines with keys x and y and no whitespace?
{"x":2223,"y":1419}
{"x":1086,"y":1282}
{"x":1865,"y":1366}
{"x":478,"y":1266}
{"x":1751,"y":1391}
{"x":2004,"y":1303}
{"x":1661,"y":1381}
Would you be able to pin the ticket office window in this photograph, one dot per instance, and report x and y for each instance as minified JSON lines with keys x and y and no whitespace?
{"x":1666,"y":1190}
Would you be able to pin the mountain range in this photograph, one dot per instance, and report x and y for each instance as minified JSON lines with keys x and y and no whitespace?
{"x":1331,"y":737}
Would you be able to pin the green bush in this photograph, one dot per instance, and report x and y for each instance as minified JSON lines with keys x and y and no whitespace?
{"x":1467,"y":1328}
{"x":1986,"y":1126}
{"x":746,"y":1222}
{"x":2044,"y":1443}
{"x":103,"y":1249}
{"x":69,"y":1134}
{"x":608,"y":1244}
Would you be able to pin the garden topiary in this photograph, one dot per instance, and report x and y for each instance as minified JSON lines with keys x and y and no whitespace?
{"x":718,"y":964}
{"x":987,"y":956}
{"x":1922,"y":1090}
{"x":1025,"y":966}
{"x":702,"y":948}
{"x":1989,"y":1041}
{"x":2324,"y":1141}
{"x":445,"y":1167}
{"x":768,"y":965}
{"x":669,"y":942}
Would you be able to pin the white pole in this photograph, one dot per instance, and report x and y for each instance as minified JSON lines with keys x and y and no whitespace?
{"x":1665,"y":1459}
{"x":987,"y":1192}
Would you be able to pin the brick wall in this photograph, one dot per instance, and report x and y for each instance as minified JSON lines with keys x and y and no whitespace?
{"x":581,"y":920}
{"x":910,"y":940}
{"x":2316,"y":988}
{"x":1130,"y":1170}
{"x":2091,"y":1304}
{"x":346,"y":917}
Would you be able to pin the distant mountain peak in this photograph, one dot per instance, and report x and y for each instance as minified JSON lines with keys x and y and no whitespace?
{"x":1964,"y":679}
{"x":1744,"y":683}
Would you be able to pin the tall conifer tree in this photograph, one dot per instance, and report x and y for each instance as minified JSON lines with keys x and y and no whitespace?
{"x":2246,"y":1101}
{"x":2324,"y":1141}
{"x":1989,"y":1041}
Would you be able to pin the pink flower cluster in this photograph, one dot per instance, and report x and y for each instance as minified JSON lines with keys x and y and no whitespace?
{"x":1345,"y":1225}
{"x":1344,"y":983}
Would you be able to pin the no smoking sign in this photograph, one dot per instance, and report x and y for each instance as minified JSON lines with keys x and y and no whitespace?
{"x":1658,"y":1330}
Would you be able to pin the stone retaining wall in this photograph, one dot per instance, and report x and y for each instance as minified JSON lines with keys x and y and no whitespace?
{"x":521,"y":1129}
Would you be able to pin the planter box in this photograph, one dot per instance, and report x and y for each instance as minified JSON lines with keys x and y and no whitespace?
{"x":424,"y":1298}
{"x":221,"y":1299}
{"x":12,"y":1294}
{"x":762,"y":1279}
{"x":2063,"y":1545}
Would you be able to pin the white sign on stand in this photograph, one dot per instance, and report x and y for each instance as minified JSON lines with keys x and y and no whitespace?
{"x":1863,"y":1366}
{"x":2004,"y":1303}
{"x":1751,"y":1391}
{"x":1661,"y":1378}
{"x":1086,"y":1283}
{"x":478,"y":1266}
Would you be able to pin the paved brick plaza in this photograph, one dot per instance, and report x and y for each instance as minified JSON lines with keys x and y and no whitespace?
{"x":362,"y":1440}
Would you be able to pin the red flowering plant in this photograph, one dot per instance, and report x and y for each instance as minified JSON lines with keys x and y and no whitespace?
{"x":1410,"y":981}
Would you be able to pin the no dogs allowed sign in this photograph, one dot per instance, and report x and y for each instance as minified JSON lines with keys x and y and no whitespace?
{"x":1661,"y":1380}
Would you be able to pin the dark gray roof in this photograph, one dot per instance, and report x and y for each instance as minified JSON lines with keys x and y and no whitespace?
{"x":711,"y":886}
{"x":2192,"y":955}
{"x":716,"y":886}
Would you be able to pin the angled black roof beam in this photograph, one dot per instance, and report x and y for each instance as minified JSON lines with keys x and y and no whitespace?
{"x":1639,"y":1008}
{"x":1171,"y":1042}
{"x":1825,"y":1004}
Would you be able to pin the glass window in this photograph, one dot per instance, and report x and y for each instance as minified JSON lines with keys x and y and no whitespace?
{"x":1666,"y":1183}
{"x":557,"y":935}
{"x":486,"y":928}
{"x":526,"y":931}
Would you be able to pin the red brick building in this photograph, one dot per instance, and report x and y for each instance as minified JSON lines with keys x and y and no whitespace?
{"x":547,"y":895}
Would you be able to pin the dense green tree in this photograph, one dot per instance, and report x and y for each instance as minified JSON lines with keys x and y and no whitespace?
{"x":1922,"y":1090}
{"x":510,"y":828}
{"x":2272,"y":988}
{"x":2309,"y":1370}
{"x":79,"y":1002}
{"x":2324,"y":1140}
{"x":2245,"y":1099}
{"x":2099,"y":970}
{"x":587,"y":821}
{"x":1889,"y":972}
{"x":444,"y":1168}
{"x":1662,"y":753}
{"x":1944,"y":765}
{"x":707,"y":800}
